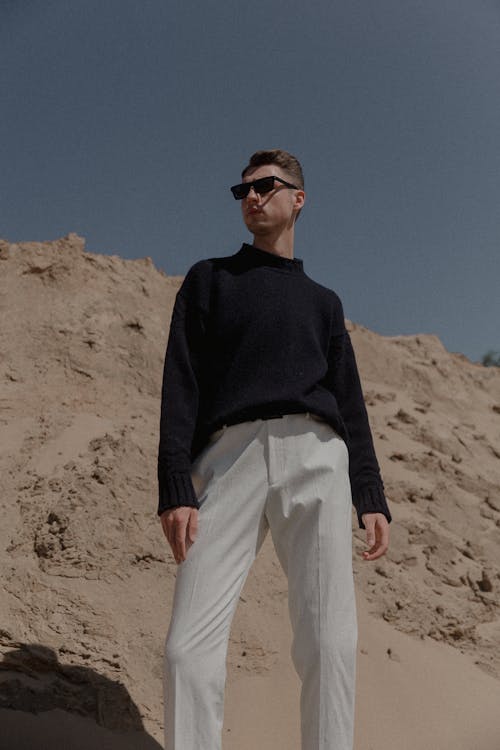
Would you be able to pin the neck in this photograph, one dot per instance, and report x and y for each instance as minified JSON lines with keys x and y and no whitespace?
{"x":280,"y":242}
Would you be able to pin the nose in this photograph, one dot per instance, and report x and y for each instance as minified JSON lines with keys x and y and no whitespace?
{"x":255,"y":196}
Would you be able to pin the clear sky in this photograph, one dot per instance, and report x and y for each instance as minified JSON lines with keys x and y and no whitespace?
{"x":127,"y":121}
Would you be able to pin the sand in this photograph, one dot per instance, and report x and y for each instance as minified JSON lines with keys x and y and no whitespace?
{"x":87,"y":577}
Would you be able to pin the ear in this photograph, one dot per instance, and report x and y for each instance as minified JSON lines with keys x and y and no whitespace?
{"x":299,"y":199}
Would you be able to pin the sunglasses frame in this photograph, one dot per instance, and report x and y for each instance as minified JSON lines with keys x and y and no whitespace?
{"x":242,"y":190}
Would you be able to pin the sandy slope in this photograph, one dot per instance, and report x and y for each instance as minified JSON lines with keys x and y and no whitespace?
{"x":87,"y":578}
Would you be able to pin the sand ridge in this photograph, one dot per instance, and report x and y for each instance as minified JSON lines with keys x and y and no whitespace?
{"x":87,"y":577}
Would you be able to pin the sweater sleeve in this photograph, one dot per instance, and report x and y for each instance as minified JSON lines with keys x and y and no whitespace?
{"x":344,"y":382}
{"x":180,"y":398}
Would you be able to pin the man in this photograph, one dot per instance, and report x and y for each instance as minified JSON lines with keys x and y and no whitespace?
{"x":263,"y":425}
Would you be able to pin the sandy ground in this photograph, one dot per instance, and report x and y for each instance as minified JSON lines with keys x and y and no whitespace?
{"x":87,"y":578}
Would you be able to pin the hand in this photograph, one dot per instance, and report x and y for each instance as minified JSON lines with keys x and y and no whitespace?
{"x":180,"y":526}
{"x":377,"y":535}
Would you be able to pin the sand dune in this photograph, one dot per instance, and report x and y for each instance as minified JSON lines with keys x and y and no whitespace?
{"x":87,"y":578}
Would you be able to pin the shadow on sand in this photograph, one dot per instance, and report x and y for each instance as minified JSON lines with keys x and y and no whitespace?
{"x":45,"y":704}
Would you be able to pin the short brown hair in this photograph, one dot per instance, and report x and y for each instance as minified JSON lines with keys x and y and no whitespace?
{"x":290,"y":164}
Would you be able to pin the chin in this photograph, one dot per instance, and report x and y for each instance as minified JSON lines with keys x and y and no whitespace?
{"x":255,"y":220}
{"x":253,"y":226}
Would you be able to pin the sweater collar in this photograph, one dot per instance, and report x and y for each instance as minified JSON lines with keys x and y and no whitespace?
{"x":266,"y":258}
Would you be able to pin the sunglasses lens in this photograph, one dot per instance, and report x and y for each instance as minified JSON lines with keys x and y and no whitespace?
{"x":264,"y":185}
{"x":240,"y":191}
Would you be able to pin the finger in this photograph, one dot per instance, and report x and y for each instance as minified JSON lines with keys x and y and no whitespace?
{"x":384,"y":541}
{"x":376,"y":554}
{"x":168,"y":526}
{"x":165,"y":525}
{"x":173,"y":528}
{"x":370,"y":532}
{"x":180,"y":539}
{"x":193,"y":525}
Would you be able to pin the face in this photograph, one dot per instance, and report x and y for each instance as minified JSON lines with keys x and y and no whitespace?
{"x":273,"y":211}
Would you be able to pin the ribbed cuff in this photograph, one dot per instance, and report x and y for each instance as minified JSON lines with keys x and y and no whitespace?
{"x":370,"y":499}
{"x":175,"y":490}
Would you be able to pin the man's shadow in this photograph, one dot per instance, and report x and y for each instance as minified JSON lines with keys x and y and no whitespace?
{"x":46,"y":704}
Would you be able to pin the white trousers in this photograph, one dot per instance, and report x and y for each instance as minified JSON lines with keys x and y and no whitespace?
{"x":289,"y":474}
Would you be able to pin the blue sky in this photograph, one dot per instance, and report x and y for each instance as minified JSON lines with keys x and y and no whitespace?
{"x":128,"y":121}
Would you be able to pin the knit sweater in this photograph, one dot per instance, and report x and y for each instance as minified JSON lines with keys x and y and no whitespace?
{"x":252,"y":334}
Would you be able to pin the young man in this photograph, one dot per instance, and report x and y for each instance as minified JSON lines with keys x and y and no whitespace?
{"x":263,"y":425}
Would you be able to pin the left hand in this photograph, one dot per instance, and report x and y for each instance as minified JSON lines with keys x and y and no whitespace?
{"x":377,"y":535}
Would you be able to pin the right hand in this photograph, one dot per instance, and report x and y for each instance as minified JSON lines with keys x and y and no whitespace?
{"x":180,"y":526}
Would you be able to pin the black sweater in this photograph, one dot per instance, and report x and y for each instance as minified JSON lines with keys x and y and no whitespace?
{"x":251,"y":335}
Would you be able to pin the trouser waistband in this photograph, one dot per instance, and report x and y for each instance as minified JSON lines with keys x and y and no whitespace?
{"x":277,"y":415}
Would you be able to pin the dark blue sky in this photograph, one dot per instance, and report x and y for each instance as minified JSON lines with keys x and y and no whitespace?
{"x":127,"y":122}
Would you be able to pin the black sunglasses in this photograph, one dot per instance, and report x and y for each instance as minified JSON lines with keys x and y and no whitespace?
{"x":261,"y":186}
